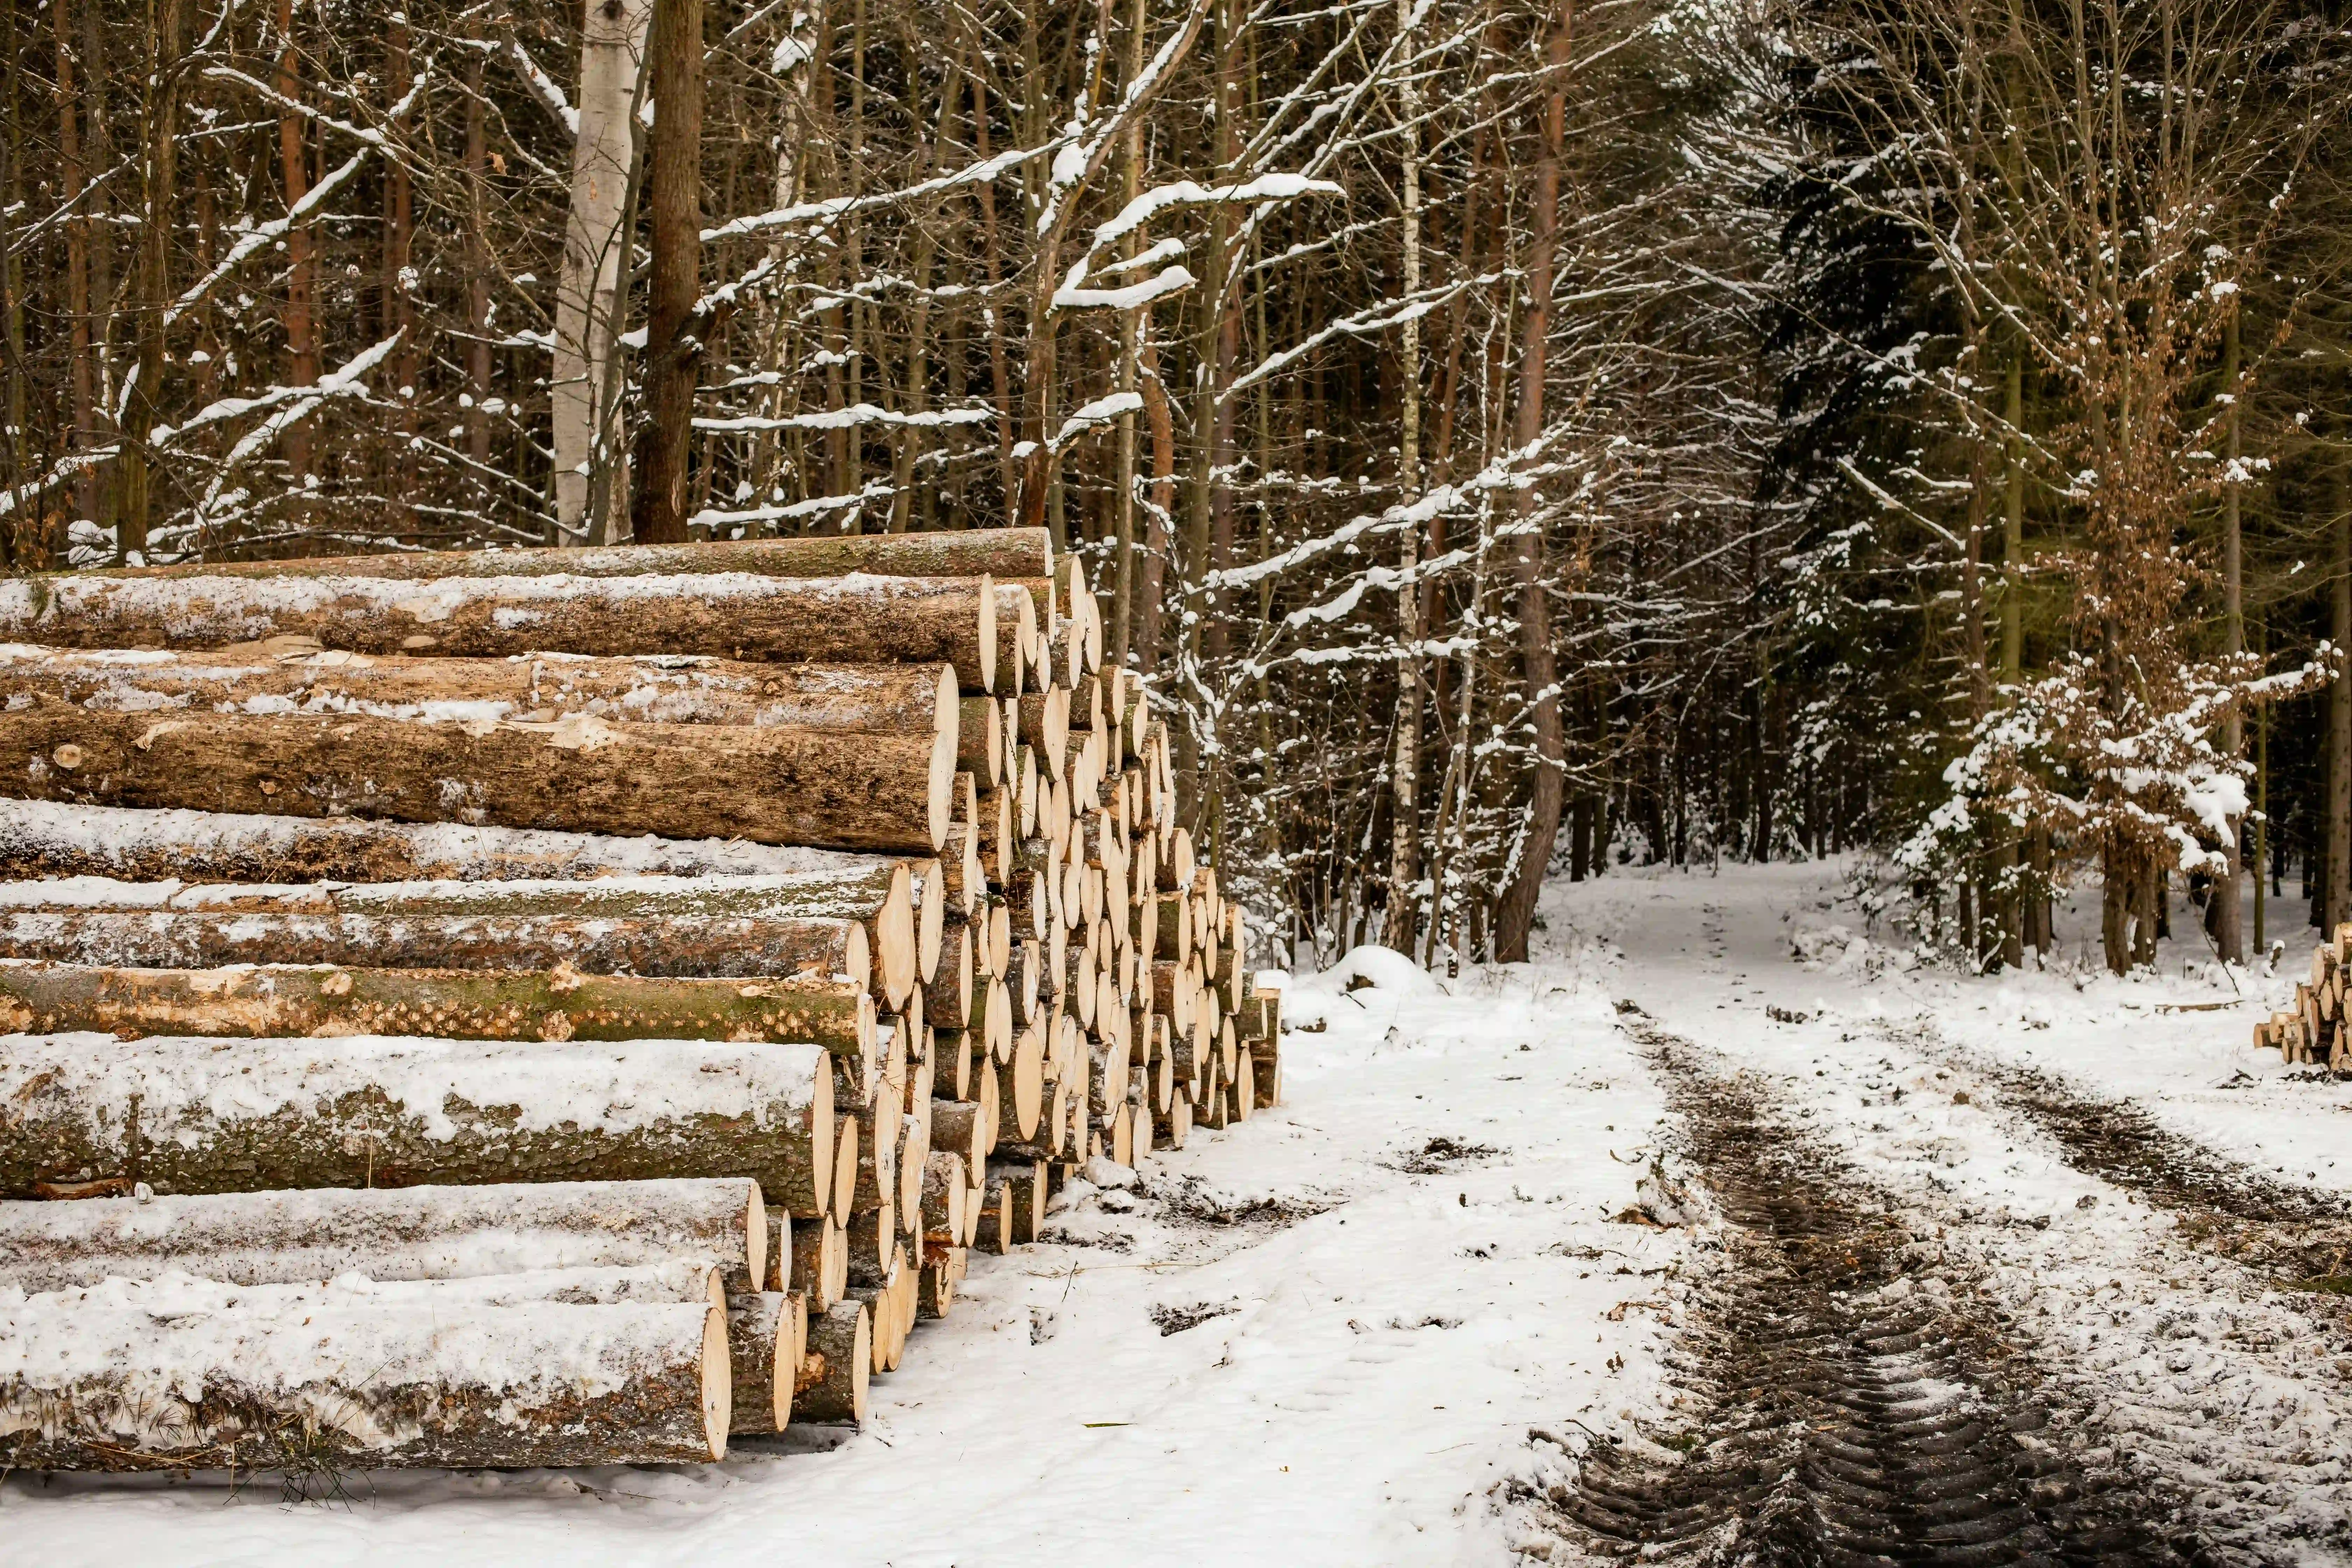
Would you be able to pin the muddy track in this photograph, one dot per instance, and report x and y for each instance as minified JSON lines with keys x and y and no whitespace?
{"x":1853,"y":1409}
{"x":2300,"y":1235}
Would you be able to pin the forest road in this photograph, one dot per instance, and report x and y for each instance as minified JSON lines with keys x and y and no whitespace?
{"x":1885,"y":1368}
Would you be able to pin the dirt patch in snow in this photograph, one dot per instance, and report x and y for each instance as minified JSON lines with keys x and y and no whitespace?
{"x":1174,"y":1320}
{"x":1853,"y":1400}
{"x":1442,"y":1154}
{"x":1190,"y":1198}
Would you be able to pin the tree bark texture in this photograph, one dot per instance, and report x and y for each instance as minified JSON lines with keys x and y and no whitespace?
{"x":760,"y":1342}
{"x":393,"y":1111}
{"x":832,"y":1386}
{"x":673,"y":324}
{"x":913,"y":701}
{"x":1008,"y":553}
{"x":843,"y":620}
{"x":792,"y":952}
{"x":814,"y":787}
{"x":390,"y":1233}
{"x":317,"y":1001}
{"x":122,"y":1388}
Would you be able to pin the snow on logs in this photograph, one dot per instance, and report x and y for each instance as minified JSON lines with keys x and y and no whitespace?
{"x":854,"y":619}
{"x":876,"y":925}
{"x":394,"y":1234}
{"x":201,"y":1115}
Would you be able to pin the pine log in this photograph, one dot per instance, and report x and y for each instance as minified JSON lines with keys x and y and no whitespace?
{"x":832,"y":1386}
{"x":905,"y":699}
{"x":320,"y":1000}
{"x":952,"y":1072}
{"x":680,"y":1279}
{"x":1017,"y":636}
{"x":948,"y":998}
{"x":820,"y":1261}
{"x":1021,"y":552}
{"x":1246,"y":1082}
{"x":761,"y":1368}
{"x":616,"y":960}
{"x":845,"y":1169}
{"x":960,"y":1128}
{"x":994,"y":1228}
{"x":796,"y":786}
{"x":1169,"y":1129}
{"x":658,"y":925}
{"x":1019,"y":1088}
{"x":980,"y":739}
{"x":193,"y":1115}
{"x":1026,"y":1182}
{"x":990,"y":1101}
{"x":914,"y":1154}
{"x":966,"y":884}
{"x":936,"y":1297}
{"x":389,"y":1234}
{"x":1045,"y":722}
{"x":40,"y":838}
{"x":176,"y":1375}
{"x":946,"y":1181}
{"x":726,"y":614}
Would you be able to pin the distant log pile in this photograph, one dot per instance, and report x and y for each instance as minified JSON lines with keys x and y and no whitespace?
{"x":540,"y":1008}
{"x":2313,"y":1033}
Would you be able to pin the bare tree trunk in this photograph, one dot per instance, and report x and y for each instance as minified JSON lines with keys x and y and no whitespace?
{"x":2335,"y":893}
{"x":166,"y":28}
{"x":2229,"y":938}
{"x":1404,"y":856}
{"x":301,"y":254}
{"x":1514,"y":918}
{"x":590,"y":294}
{"x":399,"y":314}
{"x":80,"y":232}
{"x":477,"y":255}
{"x":673,"y":326}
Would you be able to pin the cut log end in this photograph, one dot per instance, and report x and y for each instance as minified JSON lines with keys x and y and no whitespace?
{"x":718,"y":1382}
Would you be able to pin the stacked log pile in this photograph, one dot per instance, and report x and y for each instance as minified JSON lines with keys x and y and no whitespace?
{"x":610,"y":994}
{"x":2314,"y":1032}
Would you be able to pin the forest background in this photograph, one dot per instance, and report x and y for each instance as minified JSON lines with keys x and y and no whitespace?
{"x":1511,"y":436}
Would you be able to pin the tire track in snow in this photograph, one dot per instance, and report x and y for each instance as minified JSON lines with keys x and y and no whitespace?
{"x":2295,"y":1233}
{"x":1858,"y":1407}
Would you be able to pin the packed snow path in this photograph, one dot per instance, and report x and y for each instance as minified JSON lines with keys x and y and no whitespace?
{"x":1826,"y":1261}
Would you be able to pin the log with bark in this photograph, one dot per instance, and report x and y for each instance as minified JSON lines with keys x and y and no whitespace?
{"x":759,"y":1340}
{"x":390,"y":1233}
{"x":178,"y":1374}
{"x":1023,"y":553}
{"x":832,"y":1386}
{"x":195,"y":1115}
{"x":680,"y":927}
{"x":321,"y":1000}
{"x":907,"y":699}
{"x":856,"y":619}
{"x":580,"y":774}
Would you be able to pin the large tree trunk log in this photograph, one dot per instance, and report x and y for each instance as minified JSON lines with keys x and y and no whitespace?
{"x":678,"y":926}
{"x":860,"y":699}
{"x":845,"y":620}
{"x":389,"y":1233}
{"x":1009,"y":552}
{"x":318,"y":1000}
{"x":763,"y":1368}
{"x":179,"y":1375}
{"x":819,"y":953}
{"x":834,"y":1375}
{"x":202,"y":1115}
{"x":580,"y":774}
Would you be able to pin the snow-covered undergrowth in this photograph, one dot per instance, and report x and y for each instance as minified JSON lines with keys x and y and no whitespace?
{"x":1321,"y":1337}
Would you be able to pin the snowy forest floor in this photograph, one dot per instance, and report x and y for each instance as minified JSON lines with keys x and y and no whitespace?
{"x":1669,"y":1237}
